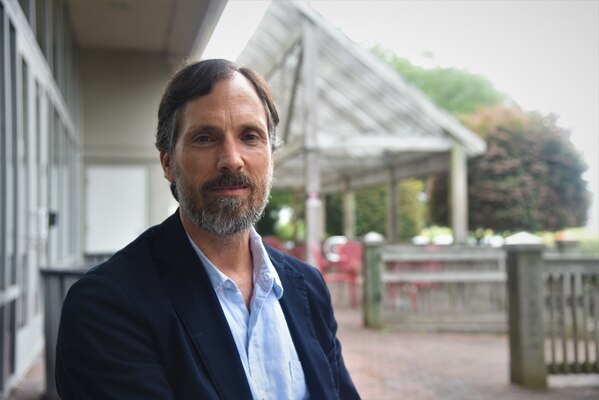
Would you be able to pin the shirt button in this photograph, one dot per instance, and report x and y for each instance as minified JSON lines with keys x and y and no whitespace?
{"x":265,"y":281}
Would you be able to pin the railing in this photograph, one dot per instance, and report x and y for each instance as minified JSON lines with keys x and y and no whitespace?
{"x":572,"y":316}
{"x":552,"y":312}
{"x":443,"y":288}
{"x":57,"y":280}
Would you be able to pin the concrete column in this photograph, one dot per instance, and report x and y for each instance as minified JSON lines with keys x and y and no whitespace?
{"x":323,"y":215}
{"x":349,"y":213}
{"x":313,"y":211}
{"x":526,"y":326}
{"x":392,"y":209}
{"x":458,"y":188}
{"x":314,"y":228}
{"x":296,"y":214}
{"x":373,"y":286}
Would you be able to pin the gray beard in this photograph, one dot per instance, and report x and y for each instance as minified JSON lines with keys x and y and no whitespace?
{"x":226,"y":216}
{"x":223,"y":217}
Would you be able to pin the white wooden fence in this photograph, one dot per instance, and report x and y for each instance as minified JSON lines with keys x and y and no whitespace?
{"x":443,"y":288}
{"x":547,"y":302}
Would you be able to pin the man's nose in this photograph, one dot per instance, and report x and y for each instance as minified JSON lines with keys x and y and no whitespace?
{"x":229,"y":158}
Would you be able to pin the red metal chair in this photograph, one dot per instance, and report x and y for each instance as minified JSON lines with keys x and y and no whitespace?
{"x":411,"y":288}
{"x":299,"y":251}
{"x":348,"y":268}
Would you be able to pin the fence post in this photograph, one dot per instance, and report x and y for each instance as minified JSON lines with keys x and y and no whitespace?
{"x":526,"y":325}
{"x":373,"y":285}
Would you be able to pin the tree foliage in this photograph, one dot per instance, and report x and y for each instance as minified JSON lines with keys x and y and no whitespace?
{"x":266,"y":226}
{"x":371,"y":210}
{"x":334,"y":214}
{"x":456,"y":90}
{"x":530,"y":177}
{"x":412,"y":211}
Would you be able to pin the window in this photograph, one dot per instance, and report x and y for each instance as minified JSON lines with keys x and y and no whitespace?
{"x":3,"y":150}
{"x":24,"y":196}
{"x":13,"y":215}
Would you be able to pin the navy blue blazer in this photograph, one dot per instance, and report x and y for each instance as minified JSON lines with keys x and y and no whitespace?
{"x":147,"y":324}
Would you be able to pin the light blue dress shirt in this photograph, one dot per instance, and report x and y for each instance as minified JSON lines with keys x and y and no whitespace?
{"x":262,"y":337}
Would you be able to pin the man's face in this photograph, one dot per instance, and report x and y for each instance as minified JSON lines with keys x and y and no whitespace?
{"x":222,"y":164}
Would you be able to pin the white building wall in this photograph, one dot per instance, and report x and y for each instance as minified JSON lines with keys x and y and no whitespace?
{"x":121,"y":92}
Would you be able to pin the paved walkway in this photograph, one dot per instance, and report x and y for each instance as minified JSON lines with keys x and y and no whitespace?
{"x":389,"y":365}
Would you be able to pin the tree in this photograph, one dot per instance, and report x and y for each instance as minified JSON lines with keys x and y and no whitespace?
{"x":530,"y":177}
{"x":371,"y":210}
{"x":412,"y":211}
{"x":456,"y":90}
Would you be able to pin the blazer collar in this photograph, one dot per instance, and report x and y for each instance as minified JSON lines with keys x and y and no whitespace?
{"x":189,"y":289}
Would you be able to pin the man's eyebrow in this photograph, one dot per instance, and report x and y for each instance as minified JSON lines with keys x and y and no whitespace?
{"x":203,"y":128}
{"x":254,"y":126}
{"x":215,"y":128}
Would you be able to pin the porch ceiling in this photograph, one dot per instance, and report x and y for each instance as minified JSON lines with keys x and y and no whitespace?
{"x":174,"y":28}
{"x":368,"y":118}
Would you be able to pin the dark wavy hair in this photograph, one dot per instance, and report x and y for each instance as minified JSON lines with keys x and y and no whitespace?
{"x":197,"y":79}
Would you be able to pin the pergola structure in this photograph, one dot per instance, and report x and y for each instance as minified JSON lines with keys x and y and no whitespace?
{"x":348,"y":120}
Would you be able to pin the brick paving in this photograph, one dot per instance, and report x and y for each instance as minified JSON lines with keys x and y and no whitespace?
{"x":33,"y":385}
{"x":388,"y":365}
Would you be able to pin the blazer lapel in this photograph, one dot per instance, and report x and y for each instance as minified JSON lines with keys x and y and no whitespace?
{"x":192,"y":296}
{"x":296,"y":308}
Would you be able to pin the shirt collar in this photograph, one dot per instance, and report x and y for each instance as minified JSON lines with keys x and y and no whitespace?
{"x":261,"y":264}
{"x":216,"y":277}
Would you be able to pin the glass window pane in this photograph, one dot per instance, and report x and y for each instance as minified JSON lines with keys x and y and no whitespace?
{"x":3,"y":150}
{"x":13,"y":156}
{"x":23,"y":201}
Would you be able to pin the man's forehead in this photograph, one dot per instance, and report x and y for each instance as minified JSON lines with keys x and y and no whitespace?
{"x":231,"y":90}
{"x":236,"y":83}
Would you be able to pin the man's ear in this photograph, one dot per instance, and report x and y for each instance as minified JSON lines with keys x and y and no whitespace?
{"x":166,"y":162}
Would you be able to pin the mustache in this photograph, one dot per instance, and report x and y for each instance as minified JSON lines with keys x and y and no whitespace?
{"x":227,"y":180}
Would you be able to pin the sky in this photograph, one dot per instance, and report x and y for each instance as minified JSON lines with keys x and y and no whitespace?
{"x":544,"y":54}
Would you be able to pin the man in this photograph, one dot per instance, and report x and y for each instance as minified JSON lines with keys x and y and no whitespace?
{"x":198,"y":307}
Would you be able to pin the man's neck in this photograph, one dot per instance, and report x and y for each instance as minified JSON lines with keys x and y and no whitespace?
{"x":230,"y":254}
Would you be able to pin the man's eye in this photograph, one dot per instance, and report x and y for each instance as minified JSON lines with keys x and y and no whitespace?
{"x":203,"y":138}
{"x":251,"y":137}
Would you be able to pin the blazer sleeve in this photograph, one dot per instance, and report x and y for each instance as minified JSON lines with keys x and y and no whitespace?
{"x":104,"y":350}
{"x":345,"y":385}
